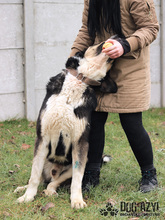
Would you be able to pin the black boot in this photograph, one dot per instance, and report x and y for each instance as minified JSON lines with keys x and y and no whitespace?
{"x":148,"y":181}
{"x":90,"y":179}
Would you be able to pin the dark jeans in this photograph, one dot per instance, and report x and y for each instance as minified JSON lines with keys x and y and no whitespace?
{"x":136,"y":134}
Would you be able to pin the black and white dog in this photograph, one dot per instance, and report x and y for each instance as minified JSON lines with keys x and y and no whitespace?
{"x":64,"y":123}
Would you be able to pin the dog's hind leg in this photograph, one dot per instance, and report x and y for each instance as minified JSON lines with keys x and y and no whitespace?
{"x":37,"y":168}
{"x":52,"y":186}
{"x":79,"y":159}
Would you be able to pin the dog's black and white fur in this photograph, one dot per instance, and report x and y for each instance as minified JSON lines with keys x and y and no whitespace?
{"x":63,"y":127}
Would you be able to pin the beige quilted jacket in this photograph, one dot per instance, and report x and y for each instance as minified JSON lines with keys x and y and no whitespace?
{"x":131,"y":72}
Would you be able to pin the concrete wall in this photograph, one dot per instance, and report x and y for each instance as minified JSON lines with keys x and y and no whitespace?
{"x":54,"y":35}
{"x":11,"y":59}
{"x":156,"y":65}
{"x":41,"y":38}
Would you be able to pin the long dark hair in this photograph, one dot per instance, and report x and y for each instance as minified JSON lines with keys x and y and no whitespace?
{"x":104,"y":15}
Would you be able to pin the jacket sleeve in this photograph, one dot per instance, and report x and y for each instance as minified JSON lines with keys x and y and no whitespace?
{"x":83,"y":40}
{"x":145,"y":19}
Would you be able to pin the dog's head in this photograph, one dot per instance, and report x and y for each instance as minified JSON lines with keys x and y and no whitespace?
{"x":55,"y":171}
{"x":95,"y":64}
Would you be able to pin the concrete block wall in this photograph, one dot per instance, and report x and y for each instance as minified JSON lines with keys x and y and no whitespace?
{"x":155,"y":59}
{"x":39,"y":34}
{"x":11,"y":59}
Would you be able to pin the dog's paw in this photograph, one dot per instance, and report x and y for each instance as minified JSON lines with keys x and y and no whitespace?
{"x":78,"y":204}
{"x":25,"y":198}
{"x":20,"y":189}
{"x":50,"y":192}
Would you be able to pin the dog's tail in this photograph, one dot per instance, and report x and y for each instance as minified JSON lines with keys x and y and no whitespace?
{"x":106,"y":158}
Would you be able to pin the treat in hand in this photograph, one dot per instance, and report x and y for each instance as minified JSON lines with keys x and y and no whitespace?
{"x":106,"y":45}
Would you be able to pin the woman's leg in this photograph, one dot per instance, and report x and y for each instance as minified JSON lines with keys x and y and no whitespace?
{"x":96,"y":139}
{"x":141,"y":146}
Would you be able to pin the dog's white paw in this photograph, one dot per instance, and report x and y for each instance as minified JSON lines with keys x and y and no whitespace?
{"x":20,"y":189}
{"x":50,"y":192}
{"x":78,"y":204}
{"x":25,"y":198}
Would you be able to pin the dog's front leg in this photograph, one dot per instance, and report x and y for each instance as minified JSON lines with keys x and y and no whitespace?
{"x":37,"y":168}
{"x":79,"y":159}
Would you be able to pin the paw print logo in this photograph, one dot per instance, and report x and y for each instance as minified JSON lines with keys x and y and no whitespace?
{"x":103,"y":212}
{"x":109,"y":210}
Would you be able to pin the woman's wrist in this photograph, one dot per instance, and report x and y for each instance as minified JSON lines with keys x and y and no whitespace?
{"x":125,"y":45}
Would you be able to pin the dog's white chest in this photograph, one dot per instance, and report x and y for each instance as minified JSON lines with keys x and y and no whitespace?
{"x":59,"y":114}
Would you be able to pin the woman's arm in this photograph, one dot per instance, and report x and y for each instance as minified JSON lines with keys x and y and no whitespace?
{"x":144,"y":16}
{"x":146,"y":23}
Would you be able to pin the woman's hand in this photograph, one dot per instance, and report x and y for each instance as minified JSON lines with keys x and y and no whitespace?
{"x":114,"y":51}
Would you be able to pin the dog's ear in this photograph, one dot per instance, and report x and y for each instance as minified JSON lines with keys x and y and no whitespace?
{"x":55,"y":83}
{"x":80,"y":54}
{"x":72,"y":63}
{"x":99,"y":48}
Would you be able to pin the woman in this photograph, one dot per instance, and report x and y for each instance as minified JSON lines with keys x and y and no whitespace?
{"x":135,"y":22}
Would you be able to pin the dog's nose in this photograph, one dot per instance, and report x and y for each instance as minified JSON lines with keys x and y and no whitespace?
{"x":54,"y":172}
